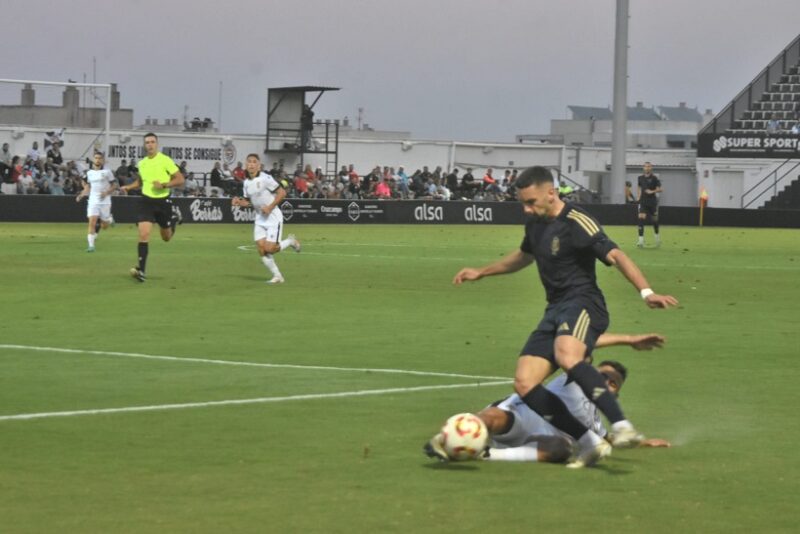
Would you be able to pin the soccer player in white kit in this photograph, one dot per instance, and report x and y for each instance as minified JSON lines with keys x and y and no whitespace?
{"x":520,"y":434}
{"x":99,"y":185}
{"x":264,"y":194}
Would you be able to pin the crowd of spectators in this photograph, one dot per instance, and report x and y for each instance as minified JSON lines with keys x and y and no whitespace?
{"x":387,"y":183}
{"x":48,"y":173}
{"x":40,"y":173}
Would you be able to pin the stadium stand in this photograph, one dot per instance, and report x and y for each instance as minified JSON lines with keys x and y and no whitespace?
{"x":775,"y":90}
{"x":782,"y":102}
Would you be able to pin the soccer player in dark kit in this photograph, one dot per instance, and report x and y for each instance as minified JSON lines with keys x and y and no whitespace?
{"x":565,"y":242}
{"x":649,"y":188}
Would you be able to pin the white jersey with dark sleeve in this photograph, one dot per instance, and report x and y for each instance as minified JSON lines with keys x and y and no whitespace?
{"x":261,"y":192}
{"x":100,"y":181}
{"x":528,"y":423}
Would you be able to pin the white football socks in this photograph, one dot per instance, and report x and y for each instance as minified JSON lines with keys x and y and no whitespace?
{"x":269,"y":263}
{"x":525,"y":453}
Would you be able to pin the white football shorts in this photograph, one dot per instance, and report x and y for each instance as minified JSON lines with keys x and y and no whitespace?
{"x":272,"y":232}
{"x":102,"y":211}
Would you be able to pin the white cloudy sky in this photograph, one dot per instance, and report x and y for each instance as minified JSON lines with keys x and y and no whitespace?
{"x":448,"y":69}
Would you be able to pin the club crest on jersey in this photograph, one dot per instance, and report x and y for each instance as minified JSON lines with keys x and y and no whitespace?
{"x":555,"y":246}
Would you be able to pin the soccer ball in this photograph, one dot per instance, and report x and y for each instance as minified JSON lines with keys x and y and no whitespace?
{"x":464,"y":436}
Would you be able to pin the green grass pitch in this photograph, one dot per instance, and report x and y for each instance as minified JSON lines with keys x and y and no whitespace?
{"x":325,"y":442}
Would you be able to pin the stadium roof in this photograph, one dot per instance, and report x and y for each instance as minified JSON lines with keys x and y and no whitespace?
{"x":304,"y":88}
{"x":641,"y":113}
{"x":585,"y":113}
{"x":637,"y":113}
{"x":680,"y":113}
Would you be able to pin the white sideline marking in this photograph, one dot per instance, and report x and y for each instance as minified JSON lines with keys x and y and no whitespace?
{"x":248,"y":364}
{"x":260,"y":400}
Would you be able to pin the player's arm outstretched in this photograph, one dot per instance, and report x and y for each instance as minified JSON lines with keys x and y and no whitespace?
{"x":631,"y":271}
{"x":510,"y":264}
{"x":635,"y":341}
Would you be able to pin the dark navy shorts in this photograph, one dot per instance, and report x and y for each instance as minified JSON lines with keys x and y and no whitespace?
{"x":651,"y":210}
{"x":585,"y":318}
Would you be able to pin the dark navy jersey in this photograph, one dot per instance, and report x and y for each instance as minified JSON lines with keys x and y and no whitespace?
{"x":649,"y":182}
{"x":565,"y":250}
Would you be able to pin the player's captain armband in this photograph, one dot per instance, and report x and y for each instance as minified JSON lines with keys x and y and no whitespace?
{"x":646,"y":292}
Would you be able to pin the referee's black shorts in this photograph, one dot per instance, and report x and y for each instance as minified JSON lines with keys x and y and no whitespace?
{"x":651,"y":210}
{"x":583,"y":317}
{"x":155,"y":210}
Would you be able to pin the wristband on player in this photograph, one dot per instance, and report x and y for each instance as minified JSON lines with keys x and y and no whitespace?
{"x":646,"y":292}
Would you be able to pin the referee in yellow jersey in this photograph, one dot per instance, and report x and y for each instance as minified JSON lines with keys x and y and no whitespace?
{"x":157,"y":175}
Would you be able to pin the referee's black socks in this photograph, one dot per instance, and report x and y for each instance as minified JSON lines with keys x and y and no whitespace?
{"x":547,"y":404}
{"x":594,"y":387}
{"x":143,"y":248}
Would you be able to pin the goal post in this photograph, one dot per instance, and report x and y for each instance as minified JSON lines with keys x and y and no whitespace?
{"x":77,"y":85}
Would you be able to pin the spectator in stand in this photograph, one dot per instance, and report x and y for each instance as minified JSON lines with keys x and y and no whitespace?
{"x":343,"y":174}
{"x":133,"y":169}
{"x":5,"y":155}
{"x":773,"y":126}
{"x":33,"y":153}
{"x":7,"y":187}
{"x":353,"y":186}
{"x":382,"y":189}
{"x":468,"y":184}
{"x":216,"y":189}
{"x":41,"y":183}
{"x":190,"y":187}
{"x":437,"y":175}
{"x":73,"y":182}
{"x":122,"y":172}
{"x":351,"y":172}
{"x":301,"y":185}
{"x":442,"y":193}
{"x":369,"y":181}
{"x":56,"y":182}
{"x":417,"y":184}
{"x":237,"y":173}
{"x":489,"y":181}
{"x":401,"y":181}
{"x":54,"y":154}
{"x":26,"y":184}
{"x":425,"y":175}
{"x":16,"y":173}
{"x":630,"y":198}
{"x":451,"y":182}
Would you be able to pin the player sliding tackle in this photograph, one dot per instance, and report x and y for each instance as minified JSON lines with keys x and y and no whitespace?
{"x":264,"y":194}
{"x":565,"y":242}
{"x":517,"y":433}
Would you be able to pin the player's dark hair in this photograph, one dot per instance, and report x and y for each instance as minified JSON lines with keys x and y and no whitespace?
{"x":253,"y":155}
{"x":534,"y":176}
{"x":99,"y":153}
{"x":618,"y":367}
{"x":150,"y":134}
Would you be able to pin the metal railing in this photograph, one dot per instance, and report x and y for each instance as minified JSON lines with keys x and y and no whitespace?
{"x":769,"y":186}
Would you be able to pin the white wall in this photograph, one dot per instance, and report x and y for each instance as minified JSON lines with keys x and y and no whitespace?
{"x":726,"y":180}
{"x":201,"y":150}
